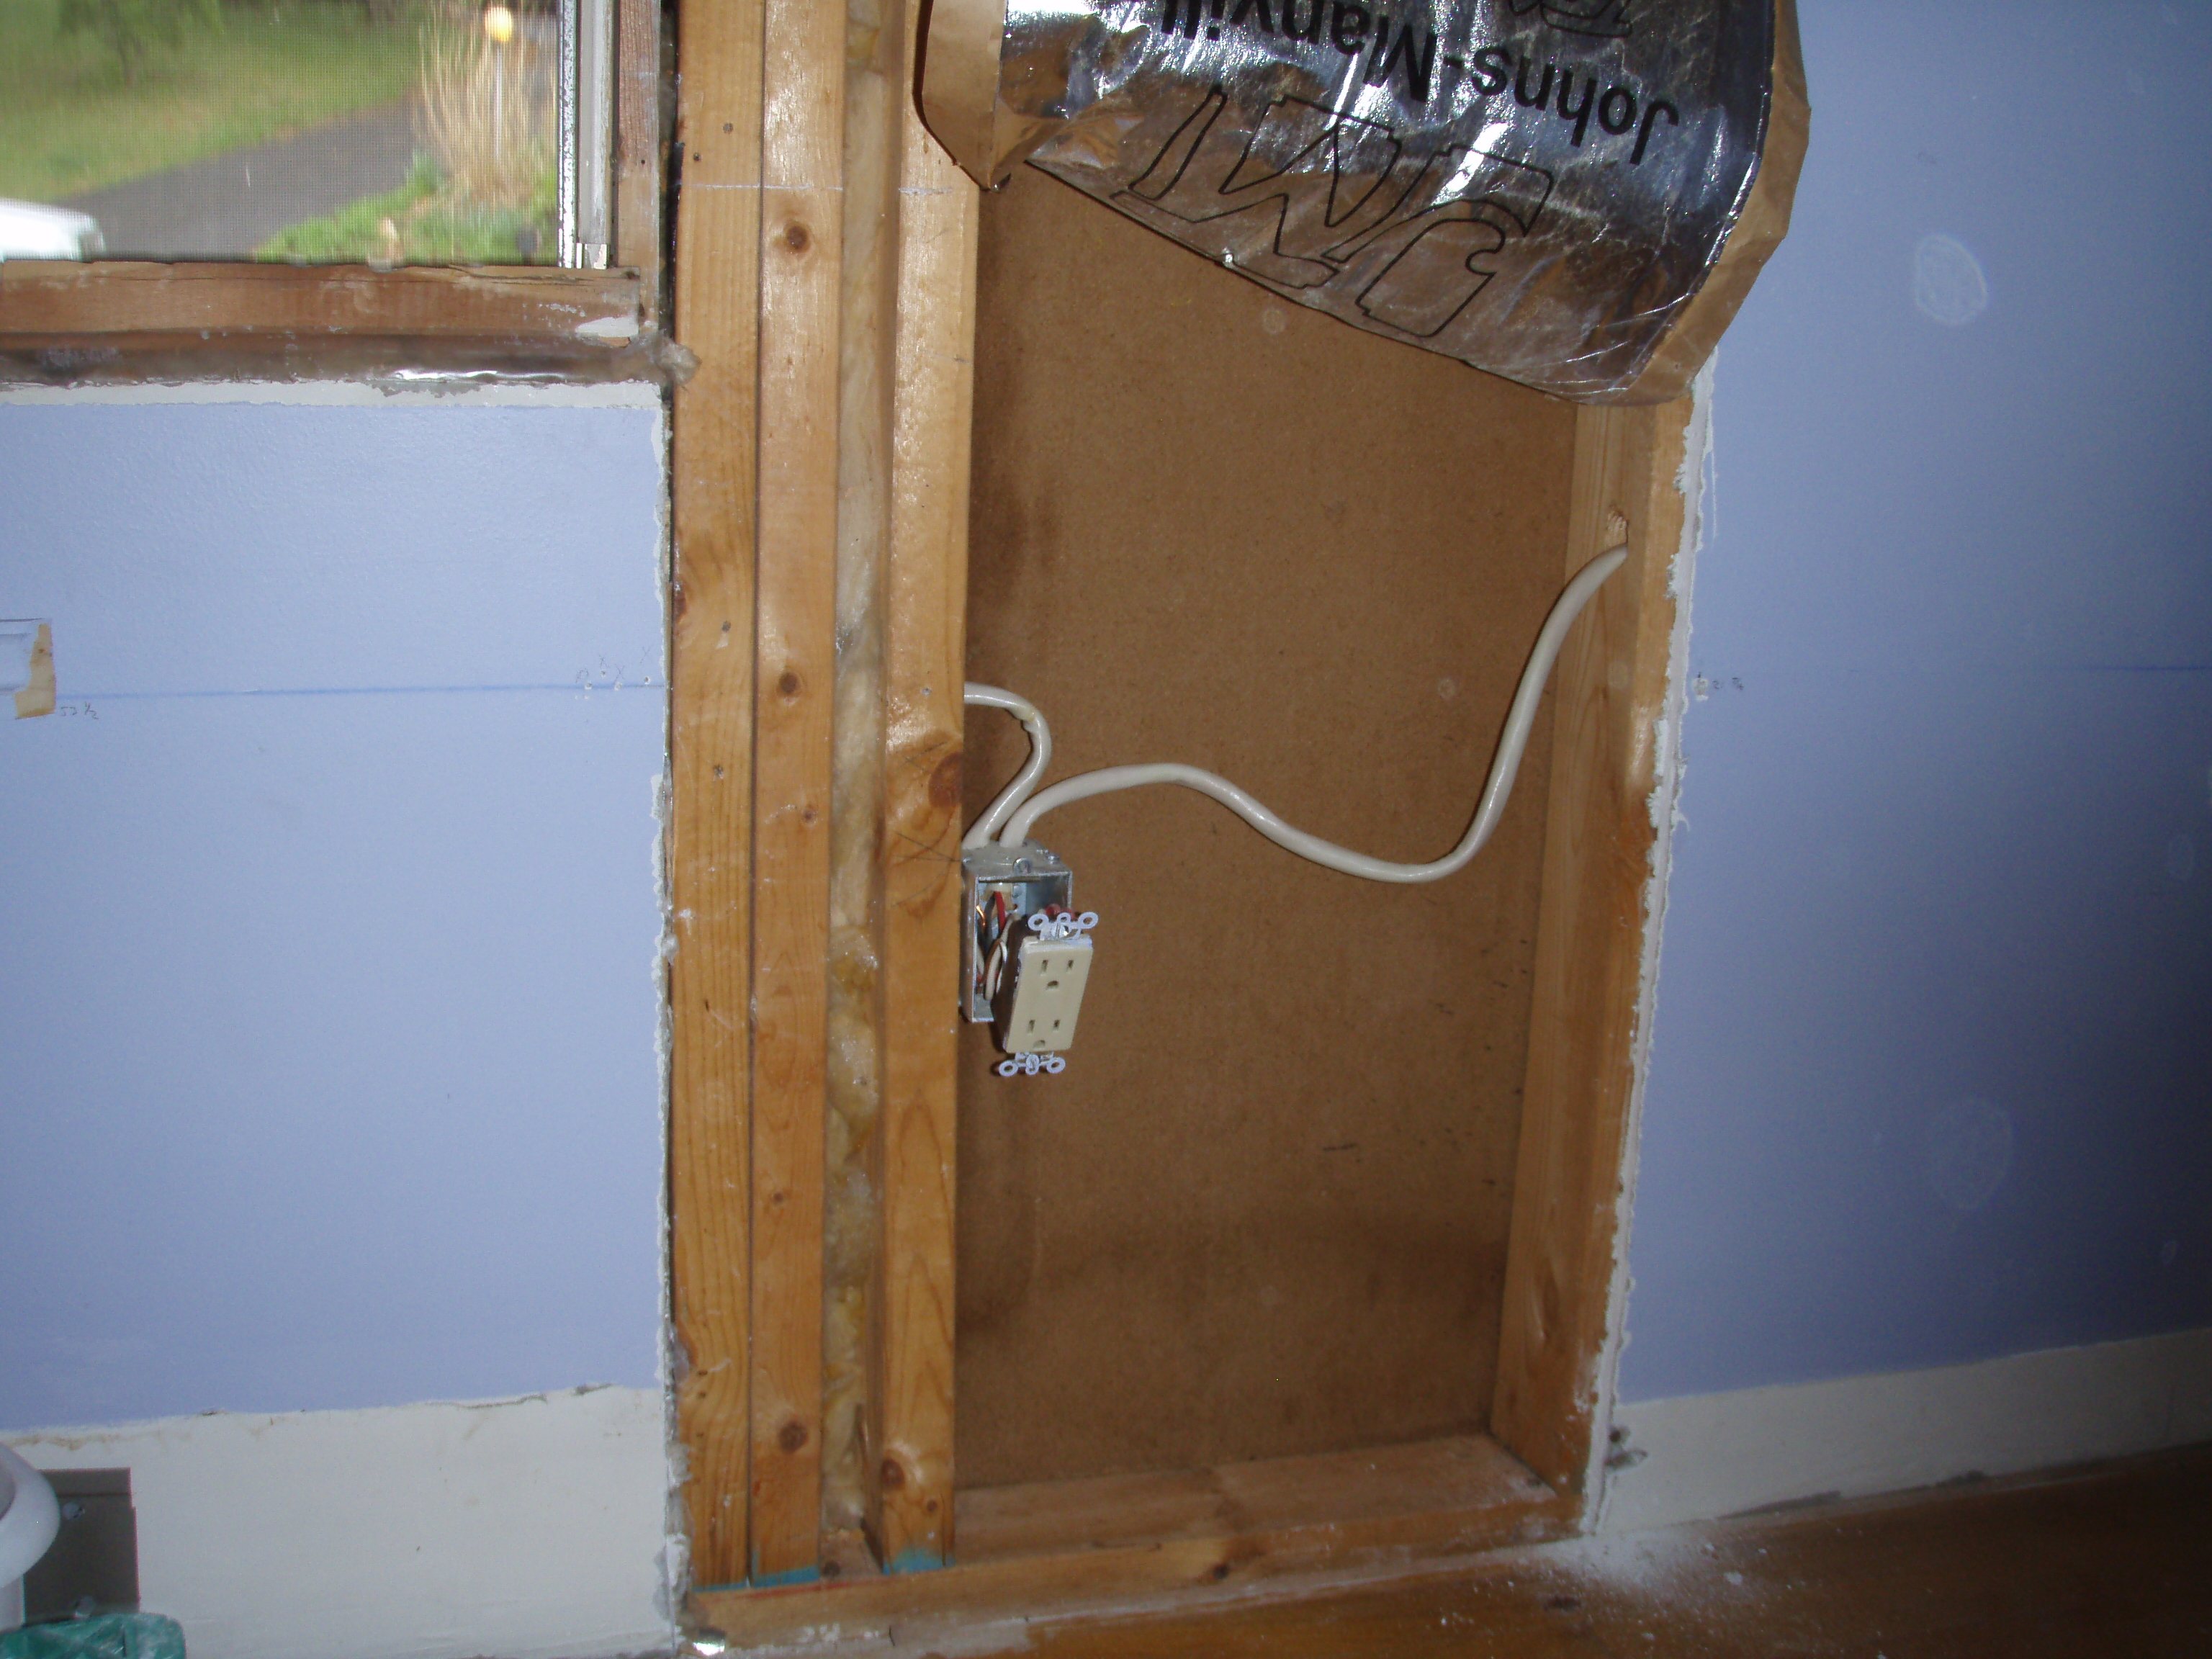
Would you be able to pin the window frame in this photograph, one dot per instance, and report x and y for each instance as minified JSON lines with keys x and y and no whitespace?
{"x":596,"y":315}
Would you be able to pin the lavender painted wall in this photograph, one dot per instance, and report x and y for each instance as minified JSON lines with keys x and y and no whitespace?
{"x":327,"y":1074}
{"x":1932,"y":1078}
{"x":327,"y":1005}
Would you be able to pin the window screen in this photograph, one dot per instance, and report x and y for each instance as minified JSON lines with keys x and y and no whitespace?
{"x":377,"y":131}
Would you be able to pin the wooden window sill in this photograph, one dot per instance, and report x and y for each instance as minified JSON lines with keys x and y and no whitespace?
{"x":63,"y":320}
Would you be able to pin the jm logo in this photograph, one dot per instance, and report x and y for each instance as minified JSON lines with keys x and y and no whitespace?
{"x":1406,"y":233}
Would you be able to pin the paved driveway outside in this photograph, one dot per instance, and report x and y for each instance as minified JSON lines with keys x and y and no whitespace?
{"x":227,"y":205}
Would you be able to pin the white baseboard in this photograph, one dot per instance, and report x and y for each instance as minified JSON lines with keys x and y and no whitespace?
{"x":1707,"y":1455}
{"x":536,"y":1529}
{"x":530,"y":1529}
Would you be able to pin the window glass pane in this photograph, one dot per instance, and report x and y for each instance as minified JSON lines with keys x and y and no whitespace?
{"x":390,"y":131}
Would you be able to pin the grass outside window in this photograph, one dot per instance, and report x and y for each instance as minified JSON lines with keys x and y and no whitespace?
{"x":70,"y":122}
{"x":422,"y":222}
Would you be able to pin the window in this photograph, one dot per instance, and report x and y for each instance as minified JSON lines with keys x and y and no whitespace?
{"x":76,"y":304}
{"x":381,"y":132}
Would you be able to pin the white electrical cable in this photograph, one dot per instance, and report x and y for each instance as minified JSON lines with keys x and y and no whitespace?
{"x":1503,"y":766}
{"x":990,"y":696}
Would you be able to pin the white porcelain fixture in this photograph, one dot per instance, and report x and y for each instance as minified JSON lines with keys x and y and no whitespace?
{"x":29,"y":1517}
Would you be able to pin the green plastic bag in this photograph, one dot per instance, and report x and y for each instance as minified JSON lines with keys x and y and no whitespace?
{"x":108,"y":1636}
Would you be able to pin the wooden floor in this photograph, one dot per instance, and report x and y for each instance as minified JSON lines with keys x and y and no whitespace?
{"x":2115,"y":1563}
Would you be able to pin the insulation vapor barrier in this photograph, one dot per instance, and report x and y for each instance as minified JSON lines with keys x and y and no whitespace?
{"x":1575,"y":194}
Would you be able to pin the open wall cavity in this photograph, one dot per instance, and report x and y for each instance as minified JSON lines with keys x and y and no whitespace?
{"x":1315,"y":1244}
{"x":1265,"y":1210}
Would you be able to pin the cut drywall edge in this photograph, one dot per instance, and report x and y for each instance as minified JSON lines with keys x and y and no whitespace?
{"x":529,"y":1528}
{"x":435,"y":391}
{"x":1665,"y":790}
{"x":1707,"y":1455}
{"x":676,"y":1547}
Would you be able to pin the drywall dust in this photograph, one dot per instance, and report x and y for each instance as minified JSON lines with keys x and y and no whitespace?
{"x":1693,"y":481}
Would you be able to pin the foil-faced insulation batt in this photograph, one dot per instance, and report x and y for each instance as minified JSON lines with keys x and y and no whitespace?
{"x":1542,"y":188}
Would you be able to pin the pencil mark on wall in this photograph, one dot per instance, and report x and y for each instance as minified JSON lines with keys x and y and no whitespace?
{"x":565,"y":687}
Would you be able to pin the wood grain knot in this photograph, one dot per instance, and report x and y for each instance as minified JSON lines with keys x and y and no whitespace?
{"x":893,"y":1475}
{"x":944,"y":783}
{"x":792,"y":1435}
{"x":795,"y":237}
{"x":1220,"y":1571}
{"x":790,"y":684}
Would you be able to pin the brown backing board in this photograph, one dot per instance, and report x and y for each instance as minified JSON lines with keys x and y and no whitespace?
{"x":1264,"y":1211}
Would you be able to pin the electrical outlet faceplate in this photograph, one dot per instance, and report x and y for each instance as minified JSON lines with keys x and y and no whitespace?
{"x":1038,"y":1009}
